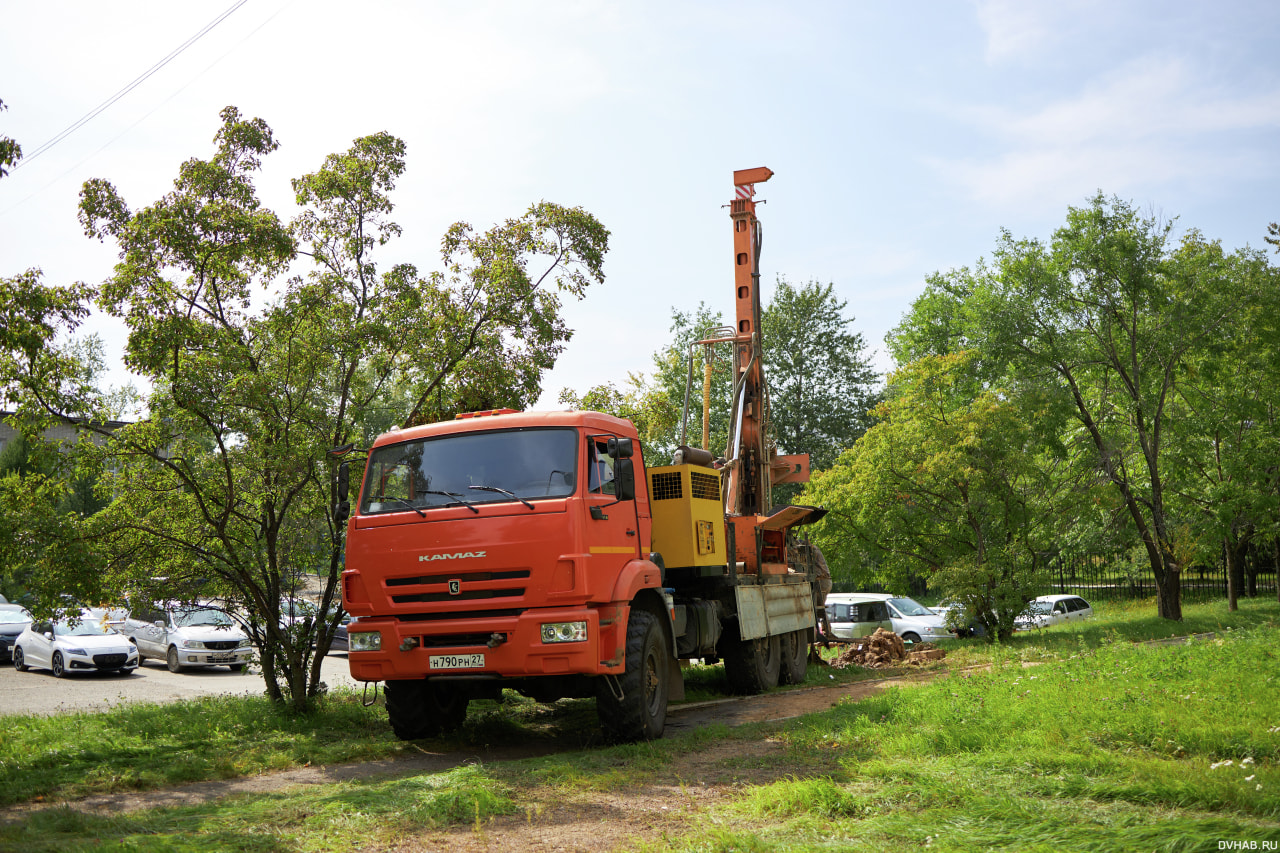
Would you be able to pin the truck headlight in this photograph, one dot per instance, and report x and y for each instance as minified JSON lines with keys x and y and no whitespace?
{"x":564,"y":632}
{"x":365,"y":641}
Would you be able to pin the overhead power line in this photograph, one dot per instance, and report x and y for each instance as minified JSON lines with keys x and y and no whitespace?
{"x":27,"y":158}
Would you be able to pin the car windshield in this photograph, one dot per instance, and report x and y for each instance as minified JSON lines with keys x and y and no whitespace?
{"x":910,"y":607}
{"x":8,"y":617}
{"x":1039,"y":608}
{"x":85,"y":628}
{"x":193,"y":616}
{"x":471,"y":468}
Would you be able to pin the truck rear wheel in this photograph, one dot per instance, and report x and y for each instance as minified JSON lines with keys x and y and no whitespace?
{"x":641,"y":712}
{"x":795,"y":657}
{"x":752,"y":666}
{"x":419,"y":709}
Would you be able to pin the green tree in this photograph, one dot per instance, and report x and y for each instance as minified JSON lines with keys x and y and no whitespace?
{"x":223,"y":488}
{"x":948,"y":485}
{"x":1224,"y":422}
{"x":822,"y":387}
{"x":1111,"y":315}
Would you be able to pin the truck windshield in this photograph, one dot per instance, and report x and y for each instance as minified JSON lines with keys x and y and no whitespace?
{"x":502,"y":466}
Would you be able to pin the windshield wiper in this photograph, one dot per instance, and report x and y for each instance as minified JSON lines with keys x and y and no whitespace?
{"x":505,"y":492}
{"x":457,"y":499}
{"x":418,"y":510}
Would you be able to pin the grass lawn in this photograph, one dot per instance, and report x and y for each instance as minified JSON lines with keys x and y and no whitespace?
{"x":1103,"y":745}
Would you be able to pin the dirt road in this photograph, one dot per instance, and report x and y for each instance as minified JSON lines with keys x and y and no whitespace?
{"x":733,"y":711}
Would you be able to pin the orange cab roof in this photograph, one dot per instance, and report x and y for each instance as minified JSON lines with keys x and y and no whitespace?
{"x":511,"y":420}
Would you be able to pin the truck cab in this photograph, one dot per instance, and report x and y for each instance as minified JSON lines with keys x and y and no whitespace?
{"x":502,"y":549}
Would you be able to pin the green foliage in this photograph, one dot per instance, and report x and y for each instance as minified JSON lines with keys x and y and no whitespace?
{"x":222,"y":489}
{"x":821,"y":383}
{"x":946,"y":485}
{"x":1120,"y":325}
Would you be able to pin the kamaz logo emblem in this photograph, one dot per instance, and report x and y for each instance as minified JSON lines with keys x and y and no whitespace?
{"x":455,"y":587}
{"x":457,"y":555}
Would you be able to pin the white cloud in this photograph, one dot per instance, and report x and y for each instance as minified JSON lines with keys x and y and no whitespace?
{"x":1018,"y":30}
{"x":1152,"y":120}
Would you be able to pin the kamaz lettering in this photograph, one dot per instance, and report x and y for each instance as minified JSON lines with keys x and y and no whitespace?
{"x":461,"y":555}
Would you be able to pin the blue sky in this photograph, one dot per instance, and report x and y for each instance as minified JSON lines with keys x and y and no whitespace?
{"x":903,"y":136}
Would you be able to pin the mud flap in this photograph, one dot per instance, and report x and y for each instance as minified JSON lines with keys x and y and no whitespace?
{"x":675,"y":680}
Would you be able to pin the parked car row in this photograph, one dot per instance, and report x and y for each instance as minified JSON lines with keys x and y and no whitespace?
{"x":182,"y":635}
{"x":861,"y":613}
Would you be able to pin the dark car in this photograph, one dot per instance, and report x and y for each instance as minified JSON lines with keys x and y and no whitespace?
{"x":14,"y":619}
{"x":339,"y":643}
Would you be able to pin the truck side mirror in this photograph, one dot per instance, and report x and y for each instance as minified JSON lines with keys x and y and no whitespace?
{"x":624,"y":475}
{"x":343,"y":508}
{"x":620,"y":448}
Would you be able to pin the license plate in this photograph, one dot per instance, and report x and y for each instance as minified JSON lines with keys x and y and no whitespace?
{"x":471,"y":661}
{"x":221,"y":658}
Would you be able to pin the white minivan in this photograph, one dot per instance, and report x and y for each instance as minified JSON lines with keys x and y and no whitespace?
{"x":910,"y":620}
{"x":184,"y":635}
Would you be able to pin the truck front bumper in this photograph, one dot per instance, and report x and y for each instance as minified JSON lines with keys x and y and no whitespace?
{"x":411,"y":649}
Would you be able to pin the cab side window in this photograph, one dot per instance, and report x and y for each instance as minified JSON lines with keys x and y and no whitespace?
{"x":600,"y":468}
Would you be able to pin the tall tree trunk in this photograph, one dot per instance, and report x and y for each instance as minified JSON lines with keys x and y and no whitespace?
{"x":1234,"y":574}
{"x":1275,"y":563}
{"x":1250,"y":560}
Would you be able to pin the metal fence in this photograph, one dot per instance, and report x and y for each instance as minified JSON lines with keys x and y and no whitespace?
{"x":1107,"y":577}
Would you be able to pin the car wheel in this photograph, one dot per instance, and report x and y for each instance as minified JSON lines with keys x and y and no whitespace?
{"x":174,"y":665}
{"x":19,"y":660}
{"x":911,"y":637}
{"x":57,"y":666}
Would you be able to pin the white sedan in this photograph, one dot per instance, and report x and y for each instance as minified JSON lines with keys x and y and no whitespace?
{"x":63,"y":647}
{"x":1052,"y":610}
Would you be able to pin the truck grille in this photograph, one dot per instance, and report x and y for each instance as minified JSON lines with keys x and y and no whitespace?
{"x":465,"y":595}
{"x":465,"y":614}
{"x":466,"y":577}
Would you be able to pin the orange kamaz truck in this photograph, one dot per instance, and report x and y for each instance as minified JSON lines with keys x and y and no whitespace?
{"x":543,"y":552}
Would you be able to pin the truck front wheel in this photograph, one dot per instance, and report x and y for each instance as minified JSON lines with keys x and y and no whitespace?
{"x":752,"y":666}
{"x":418,"y":709}
{"x":640,"y":713}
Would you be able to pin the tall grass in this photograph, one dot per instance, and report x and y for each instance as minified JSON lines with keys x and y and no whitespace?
{"x":1118,"y":747}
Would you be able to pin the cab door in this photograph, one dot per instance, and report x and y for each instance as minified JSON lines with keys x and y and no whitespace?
{"x":613,"y":531}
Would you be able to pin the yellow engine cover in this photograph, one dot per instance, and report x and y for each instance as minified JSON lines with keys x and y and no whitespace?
{"x":688,"y":516}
